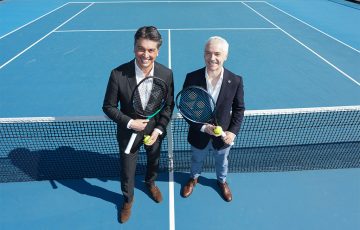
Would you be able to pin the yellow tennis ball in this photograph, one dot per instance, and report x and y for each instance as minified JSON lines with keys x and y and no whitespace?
{"x":218,"y":130}
{"x":146,"y":139}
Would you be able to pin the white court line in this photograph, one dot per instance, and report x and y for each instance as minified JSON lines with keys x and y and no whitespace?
{"x":2,"y":66}
{"x":308,"y":48}
{"x":33,"y":21}
{"x":79,"y":31}
{"x":171,"y":158}
{"x":343,"y":43}
{"x":122,"y":2}
{"x":248,"y":113}
{"x":175,"y":29}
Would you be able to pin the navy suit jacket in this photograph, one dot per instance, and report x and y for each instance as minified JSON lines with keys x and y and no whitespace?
{"x":118,"y":106}
{"x":229,"y":108}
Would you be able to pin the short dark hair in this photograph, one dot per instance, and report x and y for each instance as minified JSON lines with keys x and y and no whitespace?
{"x":148,"y":32}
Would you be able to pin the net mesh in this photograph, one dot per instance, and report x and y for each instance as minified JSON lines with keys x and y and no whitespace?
{"x":274,"y":140}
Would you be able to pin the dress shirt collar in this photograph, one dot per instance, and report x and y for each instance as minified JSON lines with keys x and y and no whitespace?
{"x":214,"y":91}
{"x":140,"y":74}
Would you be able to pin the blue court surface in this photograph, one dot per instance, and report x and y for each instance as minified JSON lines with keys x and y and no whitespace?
{"x":55,"y":60}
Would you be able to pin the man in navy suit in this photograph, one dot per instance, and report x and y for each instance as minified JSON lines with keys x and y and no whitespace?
{"x":227,"y":90}
{"x":122,"y":82}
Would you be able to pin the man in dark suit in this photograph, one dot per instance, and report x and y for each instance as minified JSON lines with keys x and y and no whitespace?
{"x":227,"y":90}
{"x":122,"y":81}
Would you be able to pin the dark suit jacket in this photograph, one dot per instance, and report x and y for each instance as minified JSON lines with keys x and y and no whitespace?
{"x":121,"y":84}
{"x":229,"y":108}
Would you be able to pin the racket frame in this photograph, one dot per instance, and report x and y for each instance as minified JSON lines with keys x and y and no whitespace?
{"x":134,"y":134}
{"x":212,"y":101}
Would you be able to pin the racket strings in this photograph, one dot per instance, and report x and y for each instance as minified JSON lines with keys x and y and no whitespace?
{"x":150,"y":96}
{"x":195,"y":104}
{"x":145,"y":91}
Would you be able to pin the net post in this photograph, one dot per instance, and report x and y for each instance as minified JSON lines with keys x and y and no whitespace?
{"x":170,"y":146}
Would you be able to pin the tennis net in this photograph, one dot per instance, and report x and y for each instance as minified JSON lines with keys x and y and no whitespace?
{"x":49,"y":148}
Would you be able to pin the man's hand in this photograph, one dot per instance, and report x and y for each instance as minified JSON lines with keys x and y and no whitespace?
{"x":153,"y":138}
{"x":229,"y":138}
{"x":209,"y":129}
{"x":139,"y":124}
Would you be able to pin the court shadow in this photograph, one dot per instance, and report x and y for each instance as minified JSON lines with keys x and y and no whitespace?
{"x":211,"y":183}
{"x":182,"y":178}
{"x":85,"y":188}
{"x":62,"y":163}
{"x":68,"y":167}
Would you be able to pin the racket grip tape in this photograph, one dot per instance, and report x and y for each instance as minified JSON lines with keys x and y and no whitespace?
{"x":224,"y":135}
{"x":131,"y":142}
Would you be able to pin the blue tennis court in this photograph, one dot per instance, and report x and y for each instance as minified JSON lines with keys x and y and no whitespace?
{"x":55,"y":60}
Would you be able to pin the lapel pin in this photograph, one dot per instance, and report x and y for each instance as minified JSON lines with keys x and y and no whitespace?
{"x":229,"y":81}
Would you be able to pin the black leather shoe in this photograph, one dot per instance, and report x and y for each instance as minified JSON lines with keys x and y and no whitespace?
{"x":189,"y":187}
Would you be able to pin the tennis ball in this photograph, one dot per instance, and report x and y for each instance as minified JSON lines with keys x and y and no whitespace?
{"x":218,"y":130}
{"x":146,"y":139}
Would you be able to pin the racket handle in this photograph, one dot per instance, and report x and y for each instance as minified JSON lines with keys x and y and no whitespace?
{"x":130,"y":144}
{"x":224,"y":135}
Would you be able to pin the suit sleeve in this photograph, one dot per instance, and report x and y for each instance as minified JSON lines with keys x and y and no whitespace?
{"x":238,"y":108}
{"x":186,"y":82}
{"x":110,"y":104}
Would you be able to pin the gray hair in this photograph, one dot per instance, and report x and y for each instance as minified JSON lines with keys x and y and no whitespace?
{"x":223,"y":42}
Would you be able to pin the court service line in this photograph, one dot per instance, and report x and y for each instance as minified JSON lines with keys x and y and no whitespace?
{"x":229,"y":28}
{"x":178,"y":29}
{"x":171,"y":159}
{"x":33,"y":21}
{"x":313,"y":27}
{"x":29,"y":47}
{"x":306,"y":47}
{"x":162,"y":1}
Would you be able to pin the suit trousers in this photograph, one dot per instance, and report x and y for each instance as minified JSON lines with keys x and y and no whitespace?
{"x":128,"y":164}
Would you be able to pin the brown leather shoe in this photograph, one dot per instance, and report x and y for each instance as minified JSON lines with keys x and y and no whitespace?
{"x":225,"y":191}
{"x":155,"y":193}
{"x":189,"y":187}
{"x":125,"y":212}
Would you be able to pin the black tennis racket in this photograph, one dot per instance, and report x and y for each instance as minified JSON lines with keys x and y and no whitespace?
{"x":148,"y":98}
{"x":197,"y":105}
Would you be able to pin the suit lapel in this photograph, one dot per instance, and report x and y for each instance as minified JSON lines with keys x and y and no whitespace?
{"x":131,"y":76}
{"x":202,"y":79}
{"x":158,"y":72}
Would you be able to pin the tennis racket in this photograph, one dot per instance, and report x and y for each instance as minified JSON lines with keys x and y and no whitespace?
{"x":148,"y":98}
{"x":197,"y":105}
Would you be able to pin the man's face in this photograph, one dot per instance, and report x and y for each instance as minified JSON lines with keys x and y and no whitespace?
{"x":214,"y":55}
{"x":146,"y":52}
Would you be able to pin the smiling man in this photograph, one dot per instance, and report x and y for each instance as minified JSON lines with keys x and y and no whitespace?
{"x":227,"y":90}
{"x":118,"y":107}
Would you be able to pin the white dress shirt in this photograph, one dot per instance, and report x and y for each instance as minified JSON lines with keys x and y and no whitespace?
{"x":139,"y":74}
{"x":214,"y":91}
